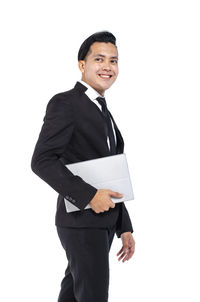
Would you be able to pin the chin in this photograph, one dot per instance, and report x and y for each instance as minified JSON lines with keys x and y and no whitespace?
{"x":105,"y":86}
{"x":103,"y":89}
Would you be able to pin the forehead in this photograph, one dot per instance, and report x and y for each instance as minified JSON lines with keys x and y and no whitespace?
{"x":106,"y":49}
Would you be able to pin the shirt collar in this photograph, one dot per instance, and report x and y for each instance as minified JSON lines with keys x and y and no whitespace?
{"x":91,"y":92}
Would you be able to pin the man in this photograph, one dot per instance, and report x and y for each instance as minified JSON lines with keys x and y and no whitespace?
{"x":78,"y":127}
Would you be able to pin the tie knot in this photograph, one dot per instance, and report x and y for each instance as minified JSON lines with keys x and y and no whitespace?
{"x":102,"y":102}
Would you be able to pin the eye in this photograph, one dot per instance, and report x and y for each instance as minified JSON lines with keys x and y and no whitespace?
{"x":114,"y":61}
{"x":98,"y":59}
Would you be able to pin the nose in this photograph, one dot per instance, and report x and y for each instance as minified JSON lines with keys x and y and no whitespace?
{"x":106,"y":65}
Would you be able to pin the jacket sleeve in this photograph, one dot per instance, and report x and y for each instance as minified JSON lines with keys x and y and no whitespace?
{"x":54,"y":138}
{"x":124,"y":222}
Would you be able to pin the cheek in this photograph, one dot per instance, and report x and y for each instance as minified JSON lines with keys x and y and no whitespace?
{"x":97,"y":69}
{"x":93,"y":70}
{"x":116,"y":71}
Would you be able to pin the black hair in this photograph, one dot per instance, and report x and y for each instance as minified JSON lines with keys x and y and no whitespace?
{"x":101,"y":36}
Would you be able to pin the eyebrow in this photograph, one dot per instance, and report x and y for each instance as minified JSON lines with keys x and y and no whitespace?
{"x":100,"y":55}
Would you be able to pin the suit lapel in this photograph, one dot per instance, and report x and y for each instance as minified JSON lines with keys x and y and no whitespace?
{"x":120,"y":141}
{"x":80,"y":87}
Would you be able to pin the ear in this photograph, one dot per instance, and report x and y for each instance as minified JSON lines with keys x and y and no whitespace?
{"x":81,"y":65}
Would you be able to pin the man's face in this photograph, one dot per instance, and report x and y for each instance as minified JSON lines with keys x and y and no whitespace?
{"x":100,"y":67}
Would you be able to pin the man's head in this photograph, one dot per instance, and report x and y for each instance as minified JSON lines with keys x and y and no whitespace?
{"x":98,"y":61}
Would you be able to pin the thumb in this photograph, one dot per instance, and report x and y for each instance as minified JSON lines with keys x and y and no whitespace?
{"x":116,"y":194}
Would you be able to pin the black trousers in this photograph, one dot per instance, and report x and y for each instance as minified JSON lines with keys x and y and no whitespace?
{"x":87,"y":274}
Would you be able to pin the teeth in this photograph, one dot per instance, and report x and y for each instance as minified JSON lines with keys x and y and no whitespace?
{"x":104,"y":76}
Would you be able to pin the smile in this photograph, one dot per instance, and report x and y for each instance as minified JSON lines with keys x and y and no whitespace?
{"x":105,"y":76}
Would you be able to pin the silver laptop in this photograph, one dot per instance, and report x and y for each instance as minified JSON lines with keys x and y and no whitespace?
{"x":110,"y":172}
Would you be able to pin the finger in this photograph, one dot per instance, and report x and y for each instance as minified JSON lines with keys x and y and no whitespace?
{"x":112,"y":204}
{"x":120,"y":251}
{"x":116,"y":194}
{"x":121,"y":256}
{"x":127,"y":257}
{"x":129,"y":254}
{"x":125,"y":251}
{"x":124,"y":248}
{"x":118,"y":254}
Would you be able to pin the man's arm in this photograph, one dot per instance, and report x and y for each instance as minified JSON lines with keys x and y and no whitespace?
{"x":123,"y":231}
{"x":123,"y":222}
{"x":54,"y":137}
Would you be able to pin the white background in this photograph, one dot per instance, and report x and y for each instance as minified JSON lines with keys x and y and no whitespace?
{"x":155,"y":104}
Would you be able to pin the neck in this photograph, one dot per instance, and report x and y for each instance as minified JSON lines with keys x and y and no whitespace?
{"x":99,"y":91}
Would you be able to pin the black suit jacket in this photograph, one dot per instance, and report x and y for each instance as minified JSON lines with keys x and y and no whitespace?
{"x":74,"y":130}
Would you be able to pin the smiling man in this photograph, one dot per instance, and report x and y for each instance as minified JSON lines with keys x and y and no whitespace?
{"x":78,"y":126}
{"x":100,"y":67}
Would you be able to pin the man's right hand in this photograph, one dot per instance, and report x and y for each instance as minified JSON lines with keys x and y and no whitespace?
{"x":101,"y":201}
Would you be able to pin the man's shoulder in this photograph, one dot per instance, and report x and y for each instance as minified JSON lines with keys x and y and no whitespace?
{"x":73,"y":94}
{"x":72,"y":97}
{"x":65,"y":94}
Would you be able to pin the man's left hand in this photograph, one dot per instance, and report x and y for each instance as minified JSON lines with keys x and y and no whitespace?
{"x":128,"y":246}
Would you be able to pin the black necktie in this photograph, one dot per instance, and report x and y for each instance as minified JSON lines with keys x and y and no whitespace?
{"x":102,"y":102}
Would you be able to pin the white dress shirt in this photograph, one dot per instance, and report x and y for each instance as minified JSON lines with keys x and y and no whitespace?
{"x":92,"y":95}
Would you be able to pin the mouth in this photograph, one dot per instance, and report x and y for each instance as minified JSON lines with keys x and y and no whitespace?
{"x":105,"y":76}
